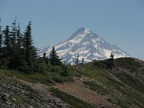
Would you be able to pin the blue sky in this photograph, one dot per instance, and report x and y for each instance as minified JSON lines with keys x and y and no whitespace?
{"x":119,"y":22}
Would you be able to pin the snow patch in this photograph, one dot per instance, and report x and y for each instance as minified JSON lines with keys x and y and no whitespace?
{"x":87,"y":44}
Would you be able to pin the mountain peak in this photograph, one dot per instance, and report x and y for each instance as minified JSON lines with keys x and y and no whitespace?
{"x":85,"y":30}
{"x":89,"y":46}
{"x":81,"y":30}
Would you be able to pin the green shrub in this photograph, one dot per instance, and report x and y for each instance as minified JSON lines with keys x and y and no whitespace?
{"x":94,"y":86}
{"x":57,"y":69}
{"x":130,"y":80}
{"x":128,"y":63}
{"x":26,"y":69}
{"x":65,"y":71}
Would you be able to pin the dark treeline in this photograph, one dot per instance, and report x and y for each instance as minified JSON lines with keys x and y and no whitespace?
{"x":16,"y":49}
{"x":18,"y":52}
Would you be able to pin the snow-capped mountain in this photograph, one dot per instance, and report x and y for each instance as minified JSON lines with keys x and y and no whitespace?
{"x":87,"y":45}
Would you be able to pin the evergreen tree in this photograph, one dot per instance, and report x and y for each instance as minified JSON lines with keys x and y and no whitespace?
{"x":6,"y":33}
{"x":6,"y":53}
{"x":13,"y":61}
{"x":17,"y":50}
{"x":1,"y":47}
{"x":77,"y":60}
{"x":19,"y":44}
{"x":65,"y":71}
{"x":19,"y":55}
{"x":13,"y":38}
{"x":1,"y":41}
{"x":112,"y":56}
{"x":45,"y":59}
{"x":28,"y":44}
{"x":44,"y":56}
{"x":54,"y":59}
{"x":7,"y":47}
{"x":111,"y":62}
{"x":82,"y":62}
{"x":29,"y":49}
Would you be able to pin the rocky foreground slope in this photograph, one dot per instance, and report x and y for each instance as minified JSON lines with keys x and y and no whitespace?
{"x":17,"y":94}
{"x":94,"y":86}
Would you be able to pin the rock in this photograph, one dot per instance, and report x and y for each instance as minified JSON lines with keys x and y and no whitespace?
{"x":12,"y":94}
{"x":102,"y":106}
{"x":8,"y":103}
{"x":4,"y":97}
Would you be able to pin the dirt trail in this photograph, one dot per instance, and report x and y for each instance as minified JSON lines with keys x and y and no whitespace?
{"x":79,"y":90}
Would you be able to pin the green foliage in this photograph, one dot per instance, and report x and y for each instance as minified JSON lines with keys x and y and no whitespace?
{"x":34,"y":78}
{"x":40,"y":66}
{"x":30,"y":51}
{"x":57,"y":69}
{"x":73,"y":101}
{"x":1,"y":41}
{"x":65,"y":71}
{"x":124,"y":88}
{"x":17,"y":51}
{"x":106,"y":64}
{"x":93,"y":72}
{"x":128,"y":63}
{"x":60,"y":79}
{"x":94,"y":86}
{"x":58,"y":74}
{"x":43,"y":77}
{"x":26,"y":69}
{"x":54,"y":59}
{"x":74,"y":72}
{"x":6,"y":34}
{"x":130,"y":80}
{"x":6,"y":49}
{"x":13,"y":38}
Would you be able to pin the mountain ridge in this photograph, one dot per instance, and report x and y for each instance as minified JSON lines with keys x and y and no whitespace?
{"x":87,"y":44}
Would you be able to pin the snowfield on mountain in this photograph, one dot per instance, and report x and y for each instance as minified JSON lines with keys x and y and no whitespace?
{"x":85,"y":44}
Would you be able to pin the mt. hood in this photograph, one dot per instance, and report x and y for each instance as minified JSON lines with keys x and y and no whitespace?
{"x":87,"y":45}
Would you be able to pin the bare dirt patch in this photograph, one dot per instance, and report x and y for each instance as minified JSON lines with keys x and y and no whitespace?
{"x":79,"y":90}
{"x":39,"y":86}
